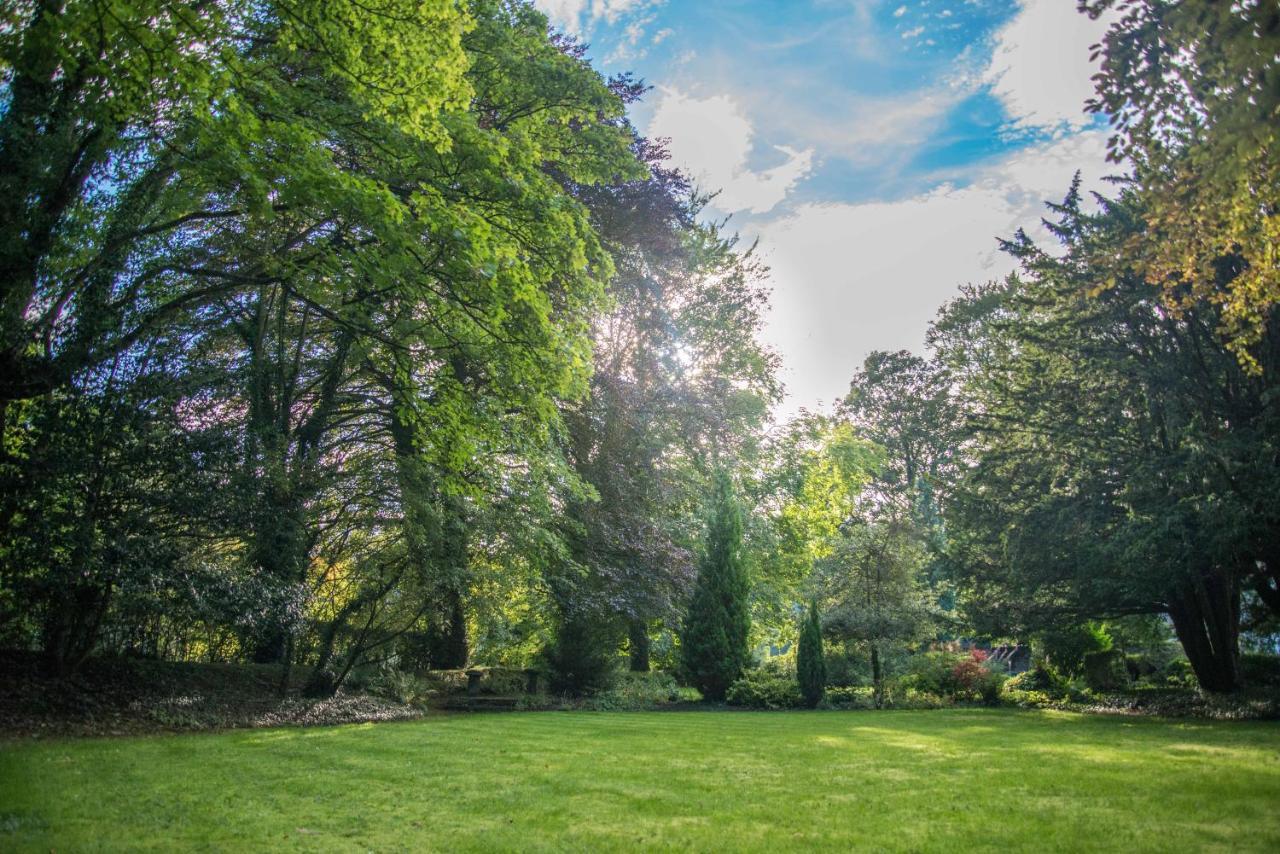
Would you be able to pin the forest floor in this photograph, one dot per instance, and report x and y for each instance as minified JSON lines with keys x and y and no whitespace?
{"x":953,"y":780}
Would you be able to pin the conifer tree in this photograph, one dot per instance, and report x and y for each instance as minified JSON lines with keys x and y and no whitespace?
{"x":811,"y":667}
{"x":714,"y":642}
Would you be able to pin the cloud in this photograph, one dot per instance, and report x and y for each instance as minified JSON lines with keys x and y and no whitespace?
{"x":1040,"y":69}
{"x":851,"y":278}
{"x":712,"y":139}
{"x":575,"y":16}
{"x":565,"y":14}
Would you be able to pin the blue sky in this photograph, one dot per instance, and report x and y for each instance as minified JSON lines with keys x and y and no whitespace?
{"x":876,"y":148}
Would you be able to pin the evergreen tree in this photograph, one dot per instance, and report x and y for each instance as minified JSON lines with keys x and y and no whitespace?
{"x":811,"y":667}
{"x":714,"y":643}
{"x":582,"y":659}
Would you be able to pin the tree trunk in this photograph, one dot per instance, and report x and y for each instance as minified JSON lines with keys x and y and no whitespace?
{"x":448,"y":638}
{"x":639,"y":643}
{"x":1206,"y":619}
{"x":71,"y":627}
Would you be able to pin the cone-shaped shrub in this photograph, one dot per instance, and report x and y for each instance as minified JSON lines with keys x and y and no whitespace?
{"x":811,"y":667}
{"x":713,"y":644}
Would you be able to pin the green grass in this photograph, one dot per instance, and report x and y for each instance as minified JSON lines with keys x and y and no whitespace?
{"x":934,"y":780}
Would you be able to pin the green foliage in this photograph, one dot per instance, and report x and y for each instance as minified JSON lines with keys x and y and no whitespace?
{"x":1067,"y":647}
{"x":1121,"y":499}
{"x":583,"y":658}
{"x":811,"y":665}
{"x":765,"y":689}
{"x":638,"y":692}
{"x":713,"y":644}
{"x":1105,"y":670}
{"x":1260,"y":668}
{"x":1039,"y":679}
{"x":931,"y":671}
{"x":1190,"y":89}
{"x":403,"y":687}
{"x":850,"y":697}
{"x":953,"y":675}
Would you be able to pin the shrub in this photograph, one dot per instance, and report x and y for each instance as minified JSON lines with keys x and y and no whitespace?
{"x":1260,"y":668}
{"x":1105,"y":670}
{"x":1140,"y":666}
{"x":847,"y":669}
{"x":633,"y":692}
{"x":971,"y":679}
{"x":811,"y":669}
{"x":914,"y":699}
{"x":759,"y":689}
{"x":1178,"y":674}
{"x":395,"y":684}
{"x":581,"y":659}
{"x":846,"y":697}
{"x":931,"y":672}
{"x":1040,"y":678}
{"x":1028,"y":699}
{"x":1066,"y":647}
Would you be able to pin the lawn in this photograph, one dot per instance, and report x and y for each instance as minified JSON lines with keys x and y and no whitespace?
{"x":931,"y":780}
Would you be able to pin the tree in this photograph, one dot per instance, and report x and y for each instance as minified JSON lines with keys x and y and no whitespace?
{"x":714,"y":648}
{"x":903,"y":403}
{"x":130,"y":134}
{"x":811,"y":665}
{"x":1190,"y":89}
{"x":379,"y":297}
{"x":1123,"y":459}
{"x":872,"y":582}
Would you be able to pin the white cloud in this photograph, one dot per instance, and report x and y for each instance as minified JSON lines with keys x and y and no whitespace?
{"x":851,"y":278}
{"x":565,"y":14}
{"x":1040,"y":69}
{"x":900,"y":11}
{"x":574,"y":16}
{"x":912,"y":33}
{"x":712,"y":139}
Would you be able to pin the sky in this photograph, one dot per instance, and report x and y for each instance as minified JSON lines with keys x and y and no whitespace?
{"x":876,"y":149}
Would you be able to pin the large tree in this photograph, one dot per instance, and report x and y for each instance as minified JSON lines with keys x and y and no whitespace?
{"x":1192,"y":88}
{"x":1124,"y":460}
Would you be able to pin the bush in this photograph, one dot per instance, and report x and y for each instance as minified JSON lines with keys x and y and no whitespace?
{"x":633,"y":692}
{"x":954,"y":675}
{"x":847,"y":669}
{"x":1178,"y":674}
{"x":846,"y":697}
{"x":1260,"y":668}
{"x":971,"y":679}
{"x":1067,"y":647}
{"x":1041,"y":679}
{"x":1105,"y":670}
{"x":914,"y":699}
{"x":395,"y":684}
{"x":932,"y":672}
{"x":759,"y":689}
{"x":1028,"y":699}
{"x":1140,"y":666}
